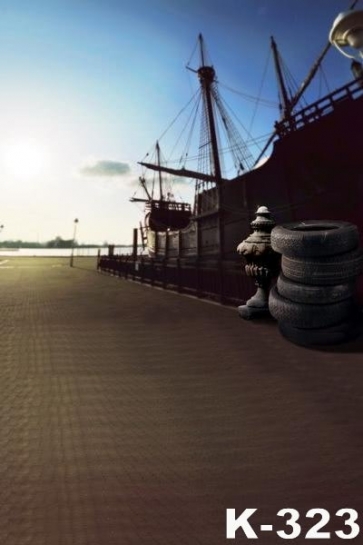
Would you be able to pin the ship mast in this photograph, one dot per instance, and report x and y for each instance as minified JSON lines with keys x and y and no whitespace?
{"x":161,"y":196}
{"x":206,"y":76}
{"x":285,"y":107}
{"x":142,"y":180}
{"x":287,"y":103}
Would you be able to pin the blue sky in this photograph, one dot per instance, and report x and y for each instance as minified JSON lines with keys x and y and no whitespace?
{"x":87,"y":81}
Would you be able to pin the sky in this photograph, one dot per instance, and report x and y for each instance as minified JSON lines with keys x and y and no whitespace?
{"x":88,"y":86}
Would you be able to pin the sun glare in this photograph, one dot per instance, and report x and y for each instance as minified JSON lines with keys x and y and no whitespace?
{"x":24,"y":159}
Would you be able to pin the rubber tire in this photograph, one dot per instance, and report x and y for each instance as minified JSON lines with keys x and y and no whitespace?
{"x":316,"y":295}
{"x":337,"y":334}
{"x":324,"y":271}
{"x":308,"y":316}
{"x":300,"y":239}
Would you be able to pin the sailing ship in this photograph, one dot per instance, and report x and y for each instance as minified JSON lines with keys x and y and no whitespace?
{"x":315,"y":171}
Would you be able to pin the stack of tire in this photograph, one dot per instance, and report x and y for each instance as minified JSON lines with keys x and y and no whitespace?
{"x":314,"y":298}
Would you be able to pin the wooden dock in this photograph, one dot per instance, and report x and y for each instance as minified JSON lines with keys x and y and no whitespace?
{"x":133,"y":415}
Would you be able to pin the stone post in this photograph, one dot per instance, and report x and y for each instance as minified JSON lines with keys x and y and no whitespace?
{"x":262,"y":263}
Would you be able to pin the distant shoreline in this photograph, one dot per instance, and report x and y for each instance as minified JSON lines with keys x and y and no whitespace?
{"x":80,"y":246}
{"x":78,"y":251}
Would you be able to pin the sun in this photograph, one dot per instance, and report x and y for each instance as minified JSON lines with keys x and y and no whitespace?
{"x":24,"y":159}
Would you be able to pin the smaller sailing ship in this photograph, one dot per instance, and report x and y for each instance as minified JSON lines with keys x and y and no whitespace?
{"x":163,"y":213}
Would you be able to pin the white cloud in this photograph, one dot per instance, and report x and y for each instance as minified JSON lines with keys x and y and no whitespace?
{"x":104,"y":169}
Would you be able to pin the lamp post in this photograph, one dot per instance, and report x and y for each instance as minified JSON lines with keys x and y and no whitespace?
{"x":73,"y":241}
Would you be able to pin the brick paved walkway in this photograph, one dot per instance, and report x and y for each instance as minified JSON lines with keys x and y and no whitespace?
{"x":130,"y":415}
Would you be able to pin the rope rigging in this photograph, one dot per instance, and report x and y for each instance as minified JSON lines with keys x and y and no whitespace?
{"x":241,"y":155}
{"x":192,"y":120}
{"x":227,"y":138}
{"x":259,"y":99}
{"x":173,"y":121}
{"x":250,"y":98}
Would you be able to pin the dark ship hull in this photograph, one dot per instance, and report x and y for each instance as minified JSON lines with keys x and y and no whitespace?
{"x":314,"y":172}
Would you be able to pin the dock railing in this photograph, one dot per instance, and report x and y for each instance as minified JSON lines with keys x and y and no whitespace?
{"x":219,"y":280}
{"x":320,"y":108}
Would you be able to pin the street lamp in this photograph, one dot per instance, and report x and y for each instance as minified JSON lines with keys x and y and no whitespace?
{"x":73,"y":241}
{"x":347,"y":32}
